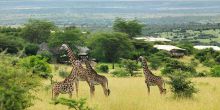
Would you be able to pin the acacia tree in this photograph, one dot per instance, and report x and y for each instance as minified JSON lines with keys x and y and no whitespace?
{"x":130,"y":27}
{"x":110,"y":46}
{"x":37,"y":31}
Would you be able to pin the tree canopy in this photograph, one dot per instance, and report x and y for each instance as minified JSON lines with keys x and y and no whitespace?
{"x":130,"y":27}
{"x":110,"y":46}
{"x":37,"y":31}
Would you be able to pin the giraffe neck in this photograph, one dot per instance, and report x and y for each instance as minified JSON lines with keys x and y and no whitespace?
{"x":147,"y":72}
{"x":88,"y":66}
{"x":73,"y":74}
{"x":71,"y":56}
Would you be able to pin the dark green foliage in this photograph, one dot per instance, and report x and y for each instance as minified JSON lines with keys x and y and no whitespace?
{"x":188,"y":46}
{"x":206,"y":36}
{"x":158,"y":59}
{"x":11,"y":31}
{"x":16,"y":86}
{"x":208,"y":57}
{"x":72,"y":37}
{"x":202,"y":74}
{"x":120,"y":73}
{"x":37,"y":65}
{"x":215,"y":71}
{"x":46,"y":55}
{"x":174,"y":65}
{"x":132,"y":27}
{"x":181,"y":86}
{"x":37,"y":31}
{"x":110,"y":46}
{"x":63,"y":73}
{"x":73,"y":104}
{"x":142,"y":48}
{"x":104,"y":68}
{"x":12,"y":43}
{"x":130,"y":66}
{"x":31,"y":49}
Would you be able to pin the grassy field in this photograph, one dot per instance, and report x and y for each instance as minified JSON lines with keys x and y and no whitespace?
{"x":131,"y":94}
{"x":192,"y":34}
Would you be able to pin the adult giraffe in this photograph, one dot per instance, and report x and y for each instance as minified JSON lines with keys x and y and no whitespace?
{"x":151,"y":79}
{"x":96,"y":78}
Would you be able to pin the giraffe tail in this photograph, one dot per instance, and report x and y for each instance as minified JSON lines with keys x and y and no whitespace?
{"x":164,"y":89}
{"x":108,"y":88}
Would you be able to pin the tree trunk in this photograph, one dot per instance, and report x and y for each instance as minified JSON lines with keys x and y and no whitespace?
{"x":113,"y":65}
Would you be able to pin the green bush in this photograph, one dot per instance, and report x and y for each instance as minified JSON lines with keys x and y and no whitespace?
{"x":215,"y":72}
{"x":12,"y":43}
{"x":181,"y":87}
{"x":37,"y":65}
{"x":174,"y":65}
{"x":63,"y":73}
{"x":31,"y":49}
{"x":47,"y":55}
{"x":208,"y":57}
{"x":104,"y":68}
{"x":130,"y":66}
{"x":120,"y":73}
{"x":15,"y":86}
{"x":75,"y":104}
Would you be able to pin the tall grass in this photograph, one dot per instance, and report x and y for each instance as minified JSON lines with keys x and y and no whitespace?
{"x":131,"y":94}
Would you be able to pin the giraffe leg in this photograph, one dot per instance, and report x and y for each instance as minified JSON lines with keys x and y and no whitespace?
{"x":160,"y":88}
{"x":148,"y":88}
{"x":105,"y":90}
{"x":70,"y":94}
{"x":92,"y":90}
{"x":77,"y":86}
{"x":56,"y":94}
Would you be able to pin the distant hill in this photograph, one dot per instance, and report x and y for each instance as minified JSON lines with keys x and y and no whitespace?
{"x":99,"y":12}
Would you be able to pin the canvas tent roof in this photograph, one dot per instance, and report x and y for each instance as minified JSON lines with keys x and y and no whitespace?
{"x":200,"y":47}
{"x":152,"y":39}
{"x":167,"y":47}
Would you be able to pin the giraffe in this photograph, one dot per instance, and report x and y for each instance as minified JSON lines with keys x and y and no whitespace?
{"x":84,"y":75}
{"x":66,"y":86}
{"x":150,"y":78}
{"x":96,"y":78}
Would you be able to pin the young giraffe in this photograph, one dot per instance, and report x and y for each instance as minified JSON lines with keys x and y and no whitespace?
{"x":97,"y":79}
{"x":151,"y":79}
{"x":66,"y":86}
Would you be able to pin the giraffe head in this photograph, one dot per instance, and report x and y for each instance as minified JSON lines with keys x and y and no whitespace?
{"x":141,"y":58}
{"x":77,"y":63}
{"x":64,"y":47}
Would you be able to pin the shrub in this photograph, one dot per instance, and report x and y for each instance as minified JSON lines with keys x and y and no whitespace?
{"x":120,"y":73}
{"x":201,"y":74}
{"x":13,"y":44}
{"x":130,"y":66}
{"x":15,"y":86}
{"x":75,"y":104}
{"x":63,"y":73}
{"x":215,"y":72}
{"x":174,"y":65}
{"x":47,"y":55}
{"x":181,"y":86}
{"x":37,"y":65}
{"x":31,"y":49}
{"x":104,"y":68}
